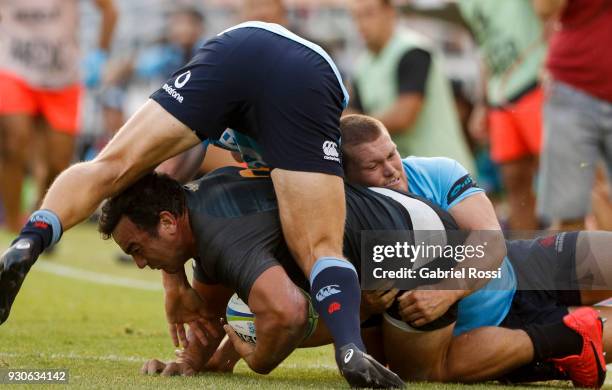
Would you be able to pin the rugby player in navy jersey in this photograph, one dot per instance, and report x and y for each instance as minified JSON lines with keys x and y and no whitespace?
{"x":274,"y":97}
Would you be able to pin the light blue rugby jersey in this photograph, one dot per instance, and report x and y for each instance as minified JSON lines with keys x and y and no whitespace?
{"x":445,"y":182}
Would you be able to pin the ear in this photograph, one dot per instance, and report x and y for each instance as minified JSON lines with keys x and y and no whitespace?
{"x":167,"y":222}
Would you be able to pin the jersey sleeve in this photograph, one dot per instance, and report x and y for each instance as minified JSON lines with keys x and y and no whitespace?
{"x":412,"y":71}
{"x":451,"y":181}
{"x":456,"y":183}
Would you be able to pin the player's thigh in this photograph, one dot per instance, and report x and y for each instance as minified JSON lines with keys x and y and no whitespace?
{"x":312,"y":212}
{"x":416,"y":355}
{"x":150,"y":136}
{"x":569,"y":152}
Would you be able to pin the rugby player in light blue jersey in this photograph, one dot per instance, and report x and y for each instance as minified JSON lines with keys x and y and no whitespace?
{"x":540,"y":317}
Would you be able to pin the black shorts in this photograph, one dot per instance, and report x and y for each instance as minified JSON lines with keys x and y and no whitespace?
{"x":546,"y":279}
{"x":276,"y":91}
{"x":547,"y":286}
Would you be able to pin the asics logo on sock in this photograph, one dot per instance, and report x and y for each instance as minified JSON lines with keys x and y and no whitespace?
{"x":327,"y":291}
{"x":22,"y":244}
{"x":348,"y":356}
{"x":330,"y":149}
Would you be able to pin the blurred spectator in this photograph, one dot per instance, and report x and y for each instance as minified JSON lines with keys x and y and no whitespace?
{"x":39,"y":80}
{"x":271,"y":11}
{"x":578,"y":108}
{"x":510,"y":36}
{"x":184,"y":34}
{"x":400,"y":82}
{"x":600,"y":198}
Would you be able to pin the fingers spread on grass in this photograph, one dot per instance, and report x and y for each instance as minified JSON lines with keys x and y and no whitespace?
{"x":171,"y":369}
{"x":152,"y":367}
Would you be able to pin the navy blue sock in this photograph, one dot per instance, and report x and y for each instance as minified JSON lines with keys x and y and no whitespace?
{"x":43,"y":228}
{"x":335,"y":292}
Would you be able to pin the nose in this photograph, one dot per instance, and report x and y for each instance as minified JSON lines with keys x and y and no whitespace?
{"x":388,"y":169}
{"x":140,"y":262}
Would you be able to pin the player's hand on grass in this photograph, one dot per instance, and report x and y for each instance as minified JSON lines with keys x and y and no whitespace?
{"x":420,"y":307}
{"x":184,"y":306}
{"x":244,"y":349}
{"x":376,"y":302}
{"x":175,"y":368}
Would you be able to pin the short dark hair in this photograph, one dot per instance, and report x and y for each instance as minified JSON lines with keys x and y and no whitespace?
{"x":192,"y":12}
{"x":358,"y":129}
{"x":142,"y":202}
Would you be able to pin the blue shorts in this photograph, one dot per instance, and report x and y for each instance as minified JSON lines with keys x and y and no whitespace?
{"x":274,"y":89}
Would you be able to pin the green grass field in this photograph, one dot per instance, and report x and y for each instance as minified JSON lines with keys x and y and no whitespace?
{"x":79,"y":309}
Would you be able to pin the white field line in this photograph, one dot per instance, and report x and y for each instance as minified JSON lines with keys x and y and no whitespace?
{"x":74,"y":356}
{"x":95,"y":277}
{"x":139,"y":359}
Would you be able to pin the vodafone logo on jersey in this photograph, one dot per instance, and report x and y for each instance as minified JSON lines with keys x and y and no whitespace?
{"x":182,"y":79}
{"x":179,"y":83}
{"x":330,"y":149}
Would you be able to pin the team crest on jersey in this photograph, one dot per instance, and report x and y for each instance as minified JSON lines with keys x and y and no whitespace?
{"x":193,"y":186}
{"x":330,"y":149}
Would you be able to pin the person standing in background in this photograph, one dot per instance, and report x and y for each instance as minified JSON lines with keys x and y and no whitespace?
{"x":400,"y":82}
{"x":510,"y":36}
{"x":269,"y":11}
{"x":39,"y":80}
{"x":578,"y":108}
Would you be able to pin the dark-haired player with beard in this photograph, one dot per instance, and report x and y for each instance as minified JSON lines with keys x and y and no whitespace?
{"x":275,"y":98}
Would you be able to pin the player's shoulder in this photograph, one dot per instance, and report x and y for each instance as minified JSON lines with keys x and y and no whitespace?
{"x":431,"y":164}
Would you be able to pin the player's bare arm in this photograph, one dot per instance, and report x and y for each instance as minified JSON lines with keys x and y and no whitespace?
{"x":149,"y":137}
{"x":280,"y":320}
